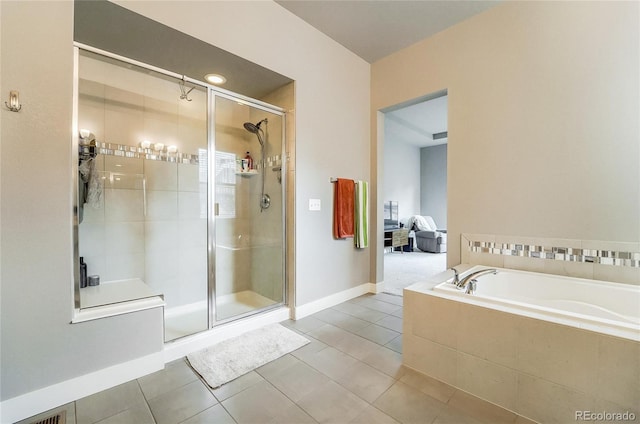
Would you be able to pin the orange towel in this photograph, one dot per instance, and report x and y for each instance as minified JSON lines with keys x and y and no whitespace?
{"x":343,"y":208}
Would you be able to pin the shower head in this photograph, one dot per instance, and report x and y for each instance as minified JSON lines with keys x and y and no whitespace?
{"x":253,"y":128}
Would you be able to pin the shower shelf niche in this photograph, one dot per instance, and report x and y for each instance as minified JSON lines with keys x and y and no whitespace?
{"x":251,"y":173}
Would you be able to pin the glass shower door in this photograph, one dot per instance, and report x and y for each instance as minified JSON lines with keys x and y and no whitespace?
{"x":248,"y":222}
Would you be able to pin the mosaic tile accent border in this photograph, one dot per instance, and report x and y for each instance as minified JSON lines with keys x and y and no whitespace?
{"x":604,"y":257}
{"x":114,"y":149}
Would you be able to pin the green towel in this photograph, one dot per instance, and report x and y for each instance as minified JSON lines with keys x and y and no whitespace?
{"x":361,"y":236}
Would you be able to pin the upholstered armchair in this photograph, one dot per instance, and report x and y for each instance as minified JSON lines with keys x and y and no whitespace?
{"x":428,"y":237}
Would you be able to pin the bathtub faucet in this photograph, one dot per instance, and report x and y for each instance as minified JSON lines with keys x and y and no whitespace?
{"x":472,"y":278}
{"x":456,"y":276}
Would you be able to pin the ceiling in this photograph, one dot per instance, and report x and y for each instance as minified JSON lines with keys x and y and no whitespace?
{"x":373,"y":29}
{"x":370,"y":29}
{"x":115,"y":29}
{"x":423,"y":124}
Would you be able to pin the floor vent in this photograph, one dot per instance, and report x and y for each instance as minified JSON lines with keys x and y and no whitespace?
{"x":59,"y":418}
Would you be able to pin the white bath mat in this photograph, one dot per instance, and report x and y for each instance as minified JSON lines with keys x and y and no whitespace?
{"x":229,"y":359}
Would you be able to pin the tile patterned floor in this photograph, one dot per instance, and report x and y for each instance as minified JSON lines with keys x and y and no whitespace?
{"x":351,"y":372}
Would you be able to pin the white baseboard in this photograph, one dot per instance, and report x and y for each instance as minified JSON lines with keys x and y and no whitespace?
{"x":376,"y":287}
{"x":311,"y":308}
{"x":41,"y":400}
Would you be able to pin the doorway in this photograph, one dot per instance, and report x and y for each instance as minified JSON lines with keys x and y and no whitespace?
{"x":414,"y":169}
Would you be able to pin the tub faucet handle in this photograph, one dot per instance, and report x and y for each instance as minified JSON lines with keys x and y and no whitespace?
{"x":471,"y":287}
{"x":456,"y":276}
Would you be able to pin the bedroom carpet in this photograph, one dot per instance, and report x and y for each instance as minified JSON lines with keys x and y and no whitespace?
{"x":404,"y":269}
{"x":229,"y":359}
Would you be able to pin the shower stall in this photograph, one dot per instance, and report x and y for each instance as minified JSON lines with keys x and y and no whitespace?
{"x":164,"y":199}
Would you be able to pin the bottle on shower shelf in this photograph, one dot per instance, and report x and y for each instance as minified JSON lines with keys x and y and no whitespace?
{"x":83,"y":273}
{"x":249,"y":160}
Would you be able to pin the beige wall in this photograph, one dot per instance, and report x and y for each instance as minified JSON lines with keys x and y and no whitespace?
{"x":543,"y":119}
{"x":39,"y":345}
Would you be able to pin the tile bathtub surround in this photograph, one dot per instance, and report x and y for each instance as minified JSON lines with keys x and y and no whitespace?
{"x":541,"y":370}
{"x":348,"y":373}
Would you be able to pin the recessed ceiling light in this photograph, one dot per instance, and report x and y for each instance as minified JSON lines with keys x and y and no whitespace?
{"x":215,"y":79}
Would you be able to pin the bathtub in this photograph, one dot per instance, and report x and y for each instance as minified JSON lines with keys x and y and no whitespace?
{"x":604,"y":307}
{"x":542,"y":346}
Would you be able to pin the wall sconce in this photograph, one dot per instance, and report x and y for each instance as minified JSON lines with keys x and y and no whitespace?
{"x":14,"y":101}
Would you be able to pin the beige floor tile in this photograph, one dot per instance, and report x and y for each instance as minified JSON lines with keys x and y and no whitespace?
{"x":292,"y":415}
{"x":137,"y":414}
{"x":395,"y":344}
{"x":309,"y":349}
{"x":259,"y":403}
{"x":182,"y":403}
{"x":331,"y":362}
{"x":332,"y":403}
{"x":107,"y":403}
{"x":329,"y":334}
{"x":236,"y":386}
{"x":409,"y":405}
{"x":340,"y":319}
{"x":276,"y":366}
{"x":298,"y":380}
{"x":377,"y":334}
{"x":174,"y":375}
{"x":371,"y":303}
{"x":345,"y":341}
{"x":389,"y":298}
{"x":216,"y":414}
{"x":305,"y":324}
{"x":391,"y":322}
{"x":365,"y":381}
{"x":361,"y":312}
{"x":372,"y":415}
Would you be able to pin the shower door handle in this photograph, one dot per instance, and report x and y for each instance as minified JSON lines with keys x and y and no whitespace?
{"x":216,"y":209}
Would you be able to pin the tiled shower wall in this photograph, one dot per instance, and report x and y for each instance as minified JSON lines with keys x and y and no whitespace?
{"x":600,"y":260}
{"x":249,"y":245}
{"x":152,"y":223}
